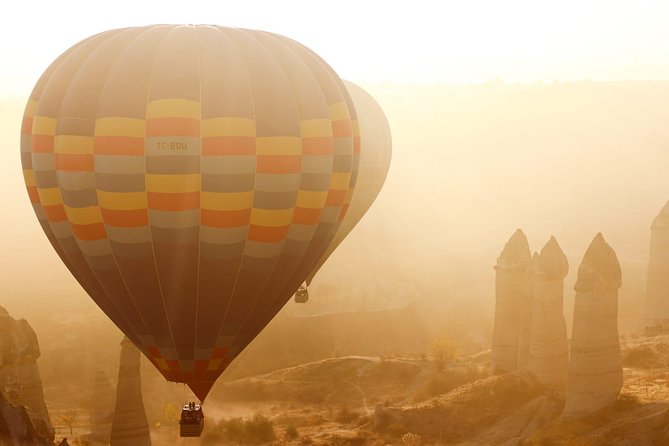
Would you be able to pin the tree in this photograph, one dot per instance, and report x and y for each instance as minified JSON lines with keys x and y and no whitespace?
{"x":69,"y":418}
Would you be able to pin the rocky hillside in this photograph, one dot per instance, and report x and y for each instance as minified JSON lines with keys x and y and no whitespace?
{"x":24,"y":418}
{"x":399,"y":401}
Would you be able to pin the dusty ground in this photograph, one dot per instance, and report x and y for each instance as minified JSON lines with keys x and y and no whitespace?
{"x":358,"y":400}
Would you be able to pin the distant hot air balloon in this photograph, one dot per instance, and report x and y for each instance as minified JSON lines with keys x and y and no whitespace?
{"x":375,"y":155}
{"x":189,"y":177}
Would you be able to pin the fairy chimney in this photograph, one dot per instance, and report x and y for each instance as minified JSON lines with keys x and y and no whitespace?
{"x":595,"y":374}
{"x":510,"y":291}
{"x":657,"y":285}
{"x":549,"y":350}
{"x":129,"y":424}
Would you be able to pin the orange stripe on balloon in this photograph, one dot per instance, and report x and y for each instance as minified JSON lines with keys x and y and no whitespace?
{"x":55,"y":213}
{"x":41,"y":143}
{"x":228,"y":145}
{"x":268,"y":234}
{"x":183,"y":201}
{"x":74,"y":162}
{"x":225,"y":219}
{"x":26,"y":125}
{"x":118,"y":145}
{"x":32,"y":193}
{"x":335,"y":198}
{"x":279,"y":164}
{"x":317,"y":145}
{"x":125,"y":218}
{"x":306,"y":216}
{"x":342,"y":128}
{"x":172,"y":126}
{"x":95,"y":231}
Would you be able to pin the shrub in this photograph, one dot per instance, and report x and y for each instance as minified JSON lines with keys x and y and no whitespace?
{"x":255,"y":430}
{"x":444,"y":349}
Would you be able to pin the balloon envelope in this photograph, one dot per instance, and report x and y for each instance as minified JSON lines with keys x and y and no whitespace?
{"x":189,"y":177}
{"x":375,"y":155}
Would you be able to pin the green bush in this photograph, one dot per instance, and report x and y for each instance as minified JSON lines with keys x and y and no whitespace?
{"x":255,"y":430}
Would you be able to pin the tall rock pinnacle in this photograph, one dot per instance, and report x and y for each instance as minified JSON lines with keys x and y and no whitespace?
{"x":595,"y":366}
{"x":129,"y":424}
{"x":549,"y":351}
{"x":657,"y":288}
{"x":510,"y":290}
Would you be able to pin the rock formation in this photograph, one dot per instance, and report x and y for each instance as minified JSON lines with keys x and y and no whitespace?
{"x":549,"y":350}
{"x":525,"y":306}
{"x":129,"y":424}
{"x":102,"y":409}
{"x":657,"y":289}
{"x":16,"y":427}
{"x":510,"y":290}
{"x":20,"y":380}
{"x":595,"y":366}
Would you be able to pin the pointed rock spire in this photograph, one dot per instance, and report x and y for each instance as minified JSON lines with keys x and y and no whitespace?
{"x":526,"y":304}
{"x":657,"y":285}
{"x":595,"y":366}
{"x":129,"y":424}
{"x":549,"y":348}
{"x":510,"y":291}
{"x":102,"y":409}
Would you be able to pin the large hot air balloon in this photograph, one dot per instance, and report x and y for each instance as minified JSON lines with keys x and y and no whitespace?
{"x":375,"y":154}
{"x":190,"y":177}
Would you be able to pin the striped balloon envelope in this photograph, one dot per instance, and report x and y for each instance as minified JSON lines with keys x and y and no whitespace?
{"x":190,"y":176}
{"x":375,"y":155}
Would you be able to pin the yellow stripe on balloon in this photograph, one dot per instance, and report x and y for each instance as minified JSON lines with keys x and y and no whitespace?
{"x":29,"y":177}
{"x":271,"y":217}
{"x":173,"y":183}
{"x":50,"y":196}
{"x":311,"y":199}
{"x":73,"y":144}
{"x":340,"y":180}
{"x":226,"y":201}
{"x":122,"y":201}
{"x":117,"y":126}
{"x":83,"y":216}
{"x":43,"y":125}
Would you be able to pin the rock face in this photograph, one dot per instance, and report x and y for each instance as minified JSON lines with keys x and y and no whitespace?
{"x":595,"y":365}
{"x":129,"y":424}
{"x":102,"y":410}
{"x":510,"y":291}
{"x":16,"y":427}
{"x":20,"y":380}
{"x":657,"y":289}
{"x":549,"y":350}
{"x":525,"y":305}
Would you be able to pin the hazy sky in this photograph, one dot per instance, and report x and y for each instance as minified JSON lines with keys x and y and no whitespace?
{"x":374,"y":41}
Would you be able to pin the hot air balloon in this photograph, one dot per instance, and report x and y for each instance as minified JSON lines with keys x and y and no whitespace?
{"x":375,"y":155}
{"x":189,"y":177}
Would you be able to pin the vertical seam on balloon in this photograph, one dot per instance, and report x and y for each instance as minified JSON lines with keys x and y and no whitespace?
{"x":299,"y":112}
{"x":199,"y":242}
{"x":255,"y":183}
{"x":148,"y":213}
{"x":111,"y":248}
